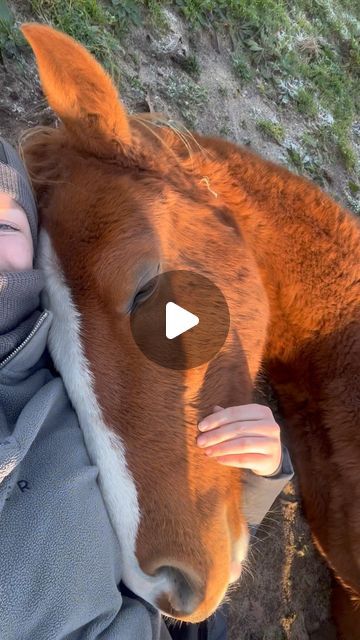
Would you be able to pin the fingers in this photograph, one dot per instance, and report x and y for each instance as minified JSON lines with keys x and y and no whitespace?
{"x":243,"y":429}
{"x":244,"y":436}
{"x":226,"y":425}
{"x":239,"y":446}
{"x":235,"y":414}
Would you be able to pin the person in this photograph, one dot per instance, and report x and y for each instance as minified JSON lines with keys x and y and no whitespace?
{"x":60,"y":562}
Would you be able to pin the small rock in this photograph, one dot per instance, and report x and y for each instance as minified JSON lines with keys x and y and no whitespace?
{"x":175,"y":42}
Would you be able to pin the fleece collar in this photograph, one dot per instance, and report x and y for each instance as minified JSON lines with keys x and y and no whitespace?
{"x":19,"y":307}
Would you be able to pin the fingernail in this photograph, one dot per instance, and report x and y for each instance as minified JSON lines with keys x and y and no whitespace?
{"x":202,"y":440}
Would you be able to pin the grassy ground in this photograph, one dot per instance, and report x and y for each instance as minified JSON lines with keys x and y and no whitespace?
{"x":304,"y":55}
{"x":308,"y":53}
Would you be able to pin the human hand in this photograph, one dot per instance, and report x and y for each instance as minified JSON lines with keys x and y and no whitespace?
{"x":246,"y":437}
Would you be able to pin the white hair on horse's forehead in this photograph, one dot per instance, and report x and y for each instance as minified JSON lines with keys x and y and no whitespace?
{"x":106,"y":449}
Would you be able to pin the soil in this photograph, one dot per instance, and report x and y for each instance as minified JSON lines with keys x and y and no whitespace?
{"x":284,"y":593}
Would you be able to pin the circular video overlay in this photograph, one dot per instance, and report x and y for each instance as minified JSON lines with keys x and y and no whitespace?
{"x":184,"y":321}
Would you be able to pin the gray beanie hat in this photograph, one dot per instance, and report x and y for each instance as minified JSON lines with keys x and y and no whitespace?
{"x":15,"y":182}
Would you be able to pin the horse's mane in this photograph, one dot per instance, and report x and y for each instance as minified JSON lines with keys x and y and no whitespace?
{"x":175,"y":139}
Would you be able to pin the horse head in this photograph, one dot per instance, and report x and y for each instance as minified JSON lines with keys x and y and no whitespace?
{"x":121,"y":201}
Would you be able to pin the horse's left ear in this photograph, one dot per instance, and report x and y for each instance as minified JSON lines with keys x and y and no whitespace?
{"x":79,"y":90}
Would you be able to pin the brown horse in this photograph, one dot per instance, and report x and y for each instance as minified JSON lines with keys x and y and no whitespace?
{"x":120,"y":198}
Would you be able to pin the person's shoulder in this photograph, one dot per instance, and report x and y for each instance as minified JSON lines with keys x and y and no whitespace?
{"x":63,"y":531}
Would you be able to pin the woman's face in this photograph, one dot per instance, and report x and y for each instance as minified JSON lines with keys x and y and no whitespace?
{"x":16,"y":245}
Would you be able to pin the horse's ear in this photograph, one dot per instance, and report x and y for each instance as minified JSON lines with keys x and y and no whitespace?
{"x":79,"y":90}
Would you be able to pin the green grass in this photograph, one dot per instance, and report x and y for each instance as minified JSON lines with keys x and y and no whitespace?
{"x":156,"y":14}
{"x":303,"y":54}
{"x":315,"y":43}
{"x":10,"y":36}
{"x":272,"y":129}
{"x":347,"y":152}
{"x":241,"y":66}
{"x":100,"y":25}
{"x":190,"y":64}
{"x":306,"y":103}
{"x":354,"y":188}
{"x":204,"y":12}
{"x":312,"y":42}
{"x":89,"y":22}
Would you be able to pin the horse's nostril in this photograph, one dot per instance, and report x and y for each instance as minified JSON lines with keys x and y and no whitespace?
{"x":183,"y":597}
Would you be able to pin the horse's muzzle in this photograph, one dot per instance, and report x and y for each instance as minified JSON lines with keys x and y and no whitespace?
{"x":183,"y":597}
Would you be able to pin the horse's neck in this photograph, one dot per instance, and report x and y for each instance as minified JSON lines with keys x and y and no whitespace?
{"x":306,"y":246}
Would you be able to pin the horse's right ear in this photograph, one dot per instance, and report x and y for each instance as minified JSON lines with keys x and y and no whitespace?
{"x":79,"y":90}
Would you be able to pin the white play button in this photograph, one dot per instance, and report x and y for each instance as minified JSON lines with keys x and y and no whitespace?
{"x":167,"y":331}
{"x":178,"y":320}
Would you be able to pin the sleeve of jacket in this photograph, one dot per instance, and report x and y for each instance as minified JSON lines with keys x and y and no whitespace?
{"x":261,"y":491}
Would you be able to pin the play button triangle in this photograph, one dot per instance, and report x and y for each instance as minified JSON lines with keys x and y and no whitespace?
{"x":178,"y":320}
{"x":158,"y":321}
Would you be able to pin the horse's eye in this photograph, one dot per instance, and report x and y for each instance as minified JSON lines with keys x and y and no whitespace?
{"x":144,"y":293}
